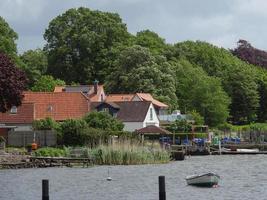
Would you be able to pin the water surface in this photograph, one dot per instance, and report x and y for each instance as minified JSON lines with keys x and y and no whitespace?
{"x":243,"y":177}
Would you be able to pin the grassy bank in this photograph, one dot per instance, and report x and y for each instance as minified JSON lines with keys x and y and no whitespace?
{"x":119,"y":154}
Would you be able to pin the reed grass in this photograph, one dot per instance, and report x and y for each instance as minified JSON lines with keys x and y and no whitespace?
{"x":125,"y":154}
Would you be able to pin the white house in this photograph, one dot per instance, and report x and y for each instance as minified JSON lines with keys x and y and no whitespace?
{"x":133,"y":114}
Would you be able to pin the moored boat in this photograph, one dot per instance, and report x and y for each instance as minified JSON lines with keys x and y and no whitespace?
{"x":203,"y":180}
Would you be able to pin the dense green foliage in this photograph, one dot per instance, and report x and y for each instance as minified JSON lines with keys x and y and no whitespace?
{"x":237,"y":77}
{"x":104,"y":121}
{"x":180,"y":126}
{"x":46,"y":83}
{"x":96,"y":128}
{"x":7,"y":40}
{"x":44,"y":124}
{"x":138,"y":70}
{"x":71,"y":131}
{"x":198,"y":91}
{"x":84,"y":45}
{"x":80,"y":42}
{"x":35,"y":65}
{"x":51,"y":152}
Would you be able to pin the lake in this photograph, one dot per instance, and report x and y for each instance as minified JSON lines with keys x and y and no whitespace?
{"x":242,"y":177}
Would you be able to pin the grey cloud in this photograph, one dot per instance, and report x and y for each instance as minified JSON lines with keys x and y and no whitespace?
{"x":216,"y":21}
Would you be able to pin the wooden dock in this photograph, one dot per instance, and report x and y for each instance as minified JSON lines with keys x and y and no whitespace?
{"x":238,"y":153}
{"x":42,"y":162}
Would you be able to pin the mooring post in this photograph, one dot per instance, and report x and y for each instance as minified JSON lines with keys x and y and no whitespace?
{"x":162,"y":192}
{"x":45,"y":190}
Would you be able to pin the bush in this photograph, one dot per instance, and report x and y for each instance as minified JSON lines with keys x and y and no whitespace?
{"x":52,"y":152}
{"x":104,"y":121}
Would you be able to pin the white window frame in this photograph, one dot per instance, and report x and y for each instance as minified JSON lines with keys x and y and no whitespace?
{"x":14,"y":110}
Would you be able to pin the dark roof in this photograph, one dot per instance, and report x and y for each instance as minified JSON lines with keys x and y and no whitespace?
{"x":152,"y":130}
{"x":97,"y":104}
{"x":80,"y":88}
{"x":133,"y":111}
{"x":128,"y":111}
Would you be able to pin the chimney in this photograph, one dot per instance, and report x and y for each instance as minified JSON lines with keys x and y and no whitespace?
{"x":95,"y":86}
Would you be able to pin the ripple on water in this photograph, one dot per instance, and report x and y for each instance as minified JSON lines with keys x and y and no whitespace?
{"x":242,"y":177}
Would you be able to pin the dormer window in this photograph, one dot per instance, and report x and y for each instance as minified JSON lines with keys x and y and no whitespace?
{"x":105,"y":110}
{"x":13,"y":110}
{"x":50,"y":108}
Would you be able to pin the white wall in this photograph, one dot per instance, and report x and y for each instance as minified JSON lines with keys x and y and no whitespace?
{"x":23,"y":128}
{"x":154,"y":121}
{"x":132,"y":126}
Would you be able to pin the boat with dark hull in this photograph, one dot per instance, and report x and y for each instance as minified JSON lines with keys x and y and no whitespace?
{"x":203,"y":180}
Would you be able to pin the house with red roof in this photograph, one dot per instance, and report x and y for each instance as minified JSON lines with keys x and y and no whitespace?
{"x":94,"y":92}
{"x":160,"y":107}
{"x":39,"y":105}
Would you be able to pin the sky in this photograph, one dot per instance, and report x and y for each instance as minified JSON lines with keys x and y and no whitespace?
{"x":220,"y":22}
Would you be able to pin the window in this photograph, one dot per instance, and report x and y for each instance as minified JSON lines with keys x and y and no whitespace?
{"x":102,"y":97}
{"x":151,"y":114}
{"x":13,"y":110}
{"x":105,"y":110}
{"x":50,"y":108}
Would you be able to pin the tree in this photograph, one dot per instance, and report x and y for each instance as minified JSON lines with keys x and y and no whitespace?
{"x":238,"y":78}
{"x":80,"y":43}
{"x":12,"y":84}
{"x":198,"y":91}
{"x":35,"y":64}
{"x":47,"y":84}
{"x":71,"y":130}
{"x":150,"y":40}
{"x":139,"y":71}
{"x":104,"y":121}
{"x":45,"y":124}
{"x":198,"y":119}
{"x":245,"y":51}
{"x":7,"y":40}
{"x":180,"y":126}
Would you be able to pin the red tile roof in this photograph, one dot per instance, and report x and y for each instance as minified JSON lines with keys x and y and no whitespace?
{"x":25,"y":114}
{"x":119,"y":97}
{"x":148,"y":97}
{"x":59,"y":105}
{"x":86,"y":89}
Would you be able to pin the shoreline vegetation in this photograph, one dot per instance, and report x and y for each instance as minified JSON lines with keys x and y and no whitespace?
{"x":118,"y":154}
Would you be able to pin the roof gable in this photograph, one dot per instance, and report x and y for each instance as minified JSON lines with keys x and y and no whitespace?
{"x":148,"y":97}
{"x":133,"y":111}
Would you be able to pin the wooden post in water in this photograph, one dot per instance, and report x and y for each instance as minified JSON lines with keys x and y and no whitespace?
{"x":220,"y":147}
{"x":45,"y":190}
{"x":162,"y":192}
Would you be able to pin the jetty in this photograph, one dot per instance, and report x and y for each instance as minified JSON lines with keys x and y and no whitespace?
{"x":43,"y":162}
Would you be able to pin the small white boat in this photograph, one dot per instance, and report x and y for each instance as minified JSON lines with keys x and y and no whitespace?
{"x":204,"y":180}
{"x":247,"y":150}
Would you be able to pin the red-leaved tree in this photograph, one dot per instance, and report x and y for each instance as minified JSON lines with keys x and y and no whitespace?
{"x":12,"y":84}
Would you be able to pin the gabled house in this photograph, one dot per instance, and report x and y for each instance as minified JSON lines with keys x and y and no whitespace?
{"x":39,"y":105}
{"x":133,"y":114}
{"x":94,"y":92}
{"x":160,"y":107}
